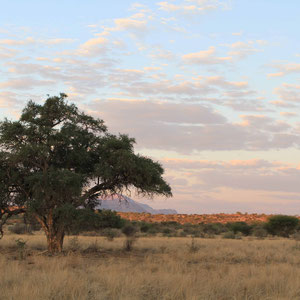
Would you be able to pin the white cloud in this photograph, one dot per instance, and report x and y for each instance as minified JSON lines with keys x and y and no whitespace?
{"x":24,"y":83}
{"x":243,"y":49}
{"x":206,"y":57}
{"x":191,"y":6}
{"x":15,"y":42}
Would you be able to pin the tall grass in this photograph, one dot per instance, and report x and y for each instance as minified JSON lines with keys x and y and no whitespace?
{"x":157,"y":268}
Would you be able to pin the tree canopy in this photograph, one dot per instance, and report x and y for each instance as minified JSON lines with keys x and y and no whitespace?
{"x":55,"y":159}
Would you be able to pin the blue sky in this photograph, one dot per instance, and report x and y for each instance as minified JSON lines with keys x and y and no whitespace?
{"x":209,"y":88}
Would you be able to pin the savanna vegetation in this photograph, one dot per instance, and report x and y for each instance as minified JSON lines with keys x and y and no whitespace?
{"x":151,"y":261}
{"x":183,"y":268}
{"x":56,"y":162}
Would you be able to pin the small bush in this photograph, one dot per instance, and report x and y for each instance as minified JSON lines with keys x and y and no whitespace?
{"x":130,"y":233}
{"x":18,"y":228}
{"x":145,"y":227}
{"x":21,"y":245}
{"x":259,"y":232}
{"x":193,"y":247}
{"x":152,"y":231}
{"x":129,"y":230}
{"x":282,"y":225}
{"x":229,"y":235}
{"x":110,"y":233}
{"x":213,"y":228}
{"x":167,"y":232}
{"x":241,"y":227}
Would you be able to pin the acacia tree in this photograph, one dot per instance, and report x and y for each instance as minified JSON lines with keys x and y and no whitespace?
{"x":60,"y":159}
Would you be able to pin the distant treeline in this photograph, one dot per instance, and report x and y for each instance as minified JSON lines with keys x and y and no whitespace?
{"x":110,"y":224}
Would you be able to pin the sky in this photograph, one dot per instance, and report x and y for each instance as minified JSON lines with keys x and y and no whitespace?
{"x":209,"y":88}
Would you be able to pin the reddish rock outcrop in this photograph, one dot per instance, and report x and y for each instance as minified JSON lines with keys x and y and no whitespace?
{"x":195,"y":219}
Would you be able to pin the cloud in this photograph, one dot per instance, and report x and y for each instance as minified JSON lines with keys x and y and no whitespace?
{"x":254,"y":185}
{"x":8,"y":99}
{"x":24,"y":83}
{"x":222,"y":82}
{"x":159,"y":53}
{"x":264,"y":123}
{"x":131,"y":24}
{"x":11,"y":42}
{"x":244,"y":49}
{"x":288,"y":92}
{"x":57,"y":41}
{"x":136,"y":25}
{"x":288,"y":114}
{"x":206,"y":57}
{"x":188,"y":7}
{"x":281,"y":103}
{"x":160,"y":112}
{"x":186,"y":128}
{"x":252,"y":174}
{"x":284,"y":69}
{"x":6,"y":53}
{"x":92,"y":47}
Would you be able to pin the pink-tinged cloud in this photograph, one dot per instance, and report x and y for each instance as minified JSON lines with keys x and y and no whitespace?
{"x":284,"y":69}
{"x":288,"y":92}
{"x":187,"y":128}
{"x":203,"y":186}
{"x":206,"y":57}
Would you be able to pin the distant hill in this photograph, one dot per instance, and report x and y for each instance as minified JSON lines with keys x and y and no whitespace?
{"x":125,"y":204}
{"x":195,"y":219}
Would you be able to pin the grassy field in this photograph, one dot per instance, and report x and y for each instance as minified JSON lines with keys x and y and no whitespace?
{"x":157,"y":268}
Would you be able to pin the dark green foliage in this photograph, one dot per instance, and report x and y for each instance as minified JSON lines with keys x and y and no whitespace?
{"x":89,"y":220}
{"x":111,"y":233}
{"x":282,"y":225}
{"x":55,"y":159}
{"x":213,"y":228}
{"x":129,"y":230}
{"x":144,"y":227}
{"x":241,"y":227}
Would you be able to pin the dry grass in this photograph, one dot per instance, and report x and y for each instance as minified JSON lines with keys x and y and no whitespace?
{"x":158,"y":268}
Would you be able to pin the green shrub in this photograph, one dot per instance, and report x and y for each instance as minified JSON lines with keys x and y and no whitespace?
{"x":282,"y":225}
{"x":144,"y":227}
{"x":88,"y":220}
{"x":152,"y":231}
{"x":259,"y":231}
{"x":214,"y":228}
{"x":241,"y":227}
{"x":167,"y":231}
{"x":111,"y":233}
{"x":130,"y":233}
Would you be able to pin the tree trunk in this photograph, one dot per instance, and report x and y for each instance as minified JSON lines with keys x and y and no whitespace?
{"x":55,"y":242}
{"x":55,"y":233}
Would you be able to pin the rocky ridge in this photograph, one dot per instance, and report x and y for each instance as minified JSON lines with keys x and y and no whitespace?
{"x":195,"y":218}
